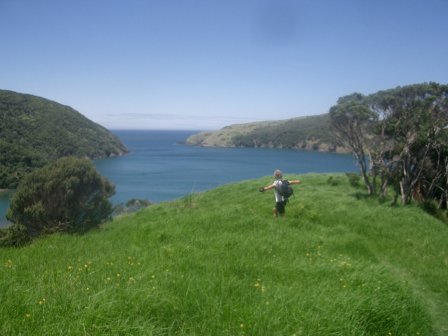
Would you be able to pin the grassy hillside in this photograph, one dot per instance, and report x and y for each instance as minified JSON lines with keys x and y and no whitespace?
{"x":35,"y":131}
{"x":225,"y":137}
{"x":311,"y":133}
{"x":217,"y":263}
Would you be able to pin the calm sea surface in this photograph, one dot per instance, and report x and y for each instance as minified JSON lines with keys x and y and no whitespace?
{"x":161,"y":168}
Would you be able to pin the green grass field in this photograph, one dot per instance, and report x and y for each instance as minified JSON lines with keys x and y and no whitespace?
{"x":218,"y":263}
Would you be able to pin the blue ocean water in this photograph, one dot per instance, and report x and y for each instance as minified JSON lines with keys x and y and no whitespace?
{"x":4,"y":205}
{"x":161,"y":168}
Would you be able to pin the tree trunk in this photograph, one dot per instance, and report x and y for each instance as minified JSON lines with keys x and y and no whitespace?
{"x":370,"y":190}
{"x":446,"y":185}
{"x":360,"y":158}
{"x":406,"y":189}
{"x":384,"y":185}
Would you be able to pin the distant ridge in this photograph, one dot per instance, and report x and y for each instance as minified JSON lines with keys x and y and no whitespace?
{"x":308,"y":133}
{"x":35,"y":131}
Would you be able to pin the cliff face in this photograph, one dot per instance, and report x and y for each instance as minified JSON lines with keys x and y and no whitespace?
{"x":307,"y":133}
{"x":35,"y":131}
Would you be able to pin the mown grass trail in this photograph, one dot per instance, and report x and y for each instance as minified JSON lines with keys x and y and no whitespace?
{"x":217,"y":263}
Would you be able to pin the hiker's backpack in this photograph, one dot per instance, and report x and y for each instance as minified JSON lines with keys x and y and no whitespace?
{"x":285,"y":189}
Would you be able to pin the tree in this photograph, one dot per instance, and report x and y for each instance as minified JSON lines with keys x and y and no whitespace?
{"x":352,"y":123}
{"x":414,"y":117}
{"x":434,"y":184}
{"x":402,"y":133}
{"x":68,"y":195}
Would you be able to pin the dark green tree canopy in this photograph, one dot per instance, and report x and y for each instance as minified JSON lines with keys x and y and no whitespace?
{"x":68,"y":195}
{"x":402,"y":134}
{"x":35,"y":131}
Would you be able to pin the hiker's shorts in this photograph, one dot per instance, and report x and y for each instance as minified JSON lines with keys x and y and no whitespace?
{"x":280,"y":206}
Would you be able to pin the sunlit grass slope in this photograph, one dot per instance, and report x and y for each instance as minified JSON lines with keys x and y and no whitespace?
{"x":217,"y":263}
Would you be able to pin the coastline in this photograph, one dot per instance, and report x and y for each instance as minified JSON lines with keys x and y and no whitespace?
{"x":225,"y":139}
{"x":310,"y":147}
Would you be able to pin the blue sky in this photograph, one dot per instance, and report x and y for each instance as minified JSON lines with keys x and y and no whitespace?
{"x":205,"y":64}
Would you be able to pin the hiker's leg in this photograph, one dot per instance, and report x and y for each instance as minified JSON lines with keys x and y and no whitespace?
{"x":280,"y":208}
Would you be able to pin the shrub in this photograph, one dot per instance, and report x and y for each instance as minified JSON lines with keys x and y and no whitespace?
{"x":68,"y":195}
{"x":430,"y":207}
{"x":14,"y":236}
{"x":354,"y":179}
{"x":332,"y":181}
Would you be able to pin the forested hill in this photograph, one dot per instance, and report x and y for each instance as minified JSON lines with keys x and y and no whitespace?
{"x":35,"y":131}
{"x":310,"y":133}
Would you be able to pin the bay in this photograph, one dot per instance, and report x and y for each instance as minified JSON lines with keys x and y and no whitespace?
{"x":161,"y":168}
{"x":4,"y":205}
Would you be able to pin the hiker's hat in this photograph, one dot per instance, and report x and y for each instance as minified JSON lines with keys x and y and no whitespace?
{"x":278,"y":174}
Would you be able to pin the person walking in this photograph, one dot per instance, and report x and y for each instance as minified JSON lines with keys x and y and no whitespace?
{"x":280,"y":198}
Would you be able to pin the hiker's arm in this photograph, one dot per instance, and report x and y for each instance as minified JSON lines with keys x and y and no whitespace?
{"x":269,"y":187}
{"x":295,"y":182}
